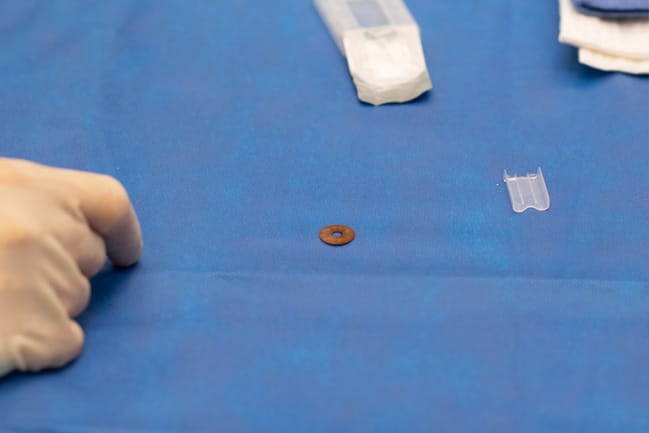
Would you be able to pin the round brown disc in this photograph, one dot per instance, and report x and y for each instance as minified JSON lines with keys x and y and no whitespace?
{"x":345,"y":235}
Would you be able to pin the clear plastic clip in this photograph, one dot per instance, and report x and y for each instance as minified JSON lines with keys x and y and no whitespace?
{"x":527,"y":191}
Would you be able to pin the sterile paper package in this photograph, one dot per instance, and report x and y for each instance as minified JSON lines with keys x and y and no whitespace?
{"x":382,"y":44}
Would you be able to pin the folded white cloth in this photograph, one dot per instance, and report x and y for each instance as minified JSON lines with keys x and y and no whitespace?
{"x":607,"y":62}
{"x":622,"y":38}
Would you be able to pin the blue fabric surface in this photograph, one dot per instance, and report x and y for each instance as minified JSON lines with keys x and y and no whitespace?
{"x":613,"y":8}
{"x":235,"y":128}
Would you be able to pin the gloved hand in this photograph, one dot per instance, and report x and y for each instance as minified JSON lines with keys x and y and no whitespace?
{"x":56,"y":228}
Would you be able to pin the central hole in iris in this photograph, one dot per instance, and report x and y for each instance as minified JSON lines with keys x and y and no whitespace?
{"x":337,"y":234}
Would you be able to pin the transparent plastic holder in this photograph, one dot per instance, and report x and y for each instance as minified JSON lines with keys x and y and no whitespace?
{"x":528,"y":191}
{"x":382,"y":44}
{"x":343,"y":15}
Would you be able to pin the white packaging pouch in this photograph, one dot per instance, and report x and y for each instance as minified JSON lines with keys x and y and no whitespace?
{"x":381,"y":42}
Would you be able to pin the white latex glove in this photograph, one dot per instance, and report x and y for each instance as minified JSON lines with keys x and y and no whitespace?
{"x":56,"y":228}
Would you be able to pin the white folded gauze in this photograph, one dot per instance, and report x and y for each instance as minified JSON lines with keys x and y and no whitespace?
{"x":386,"y":63}
{"x":605,"y":62}
{"x":623,"y":37}
{"x":381,"y":41}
